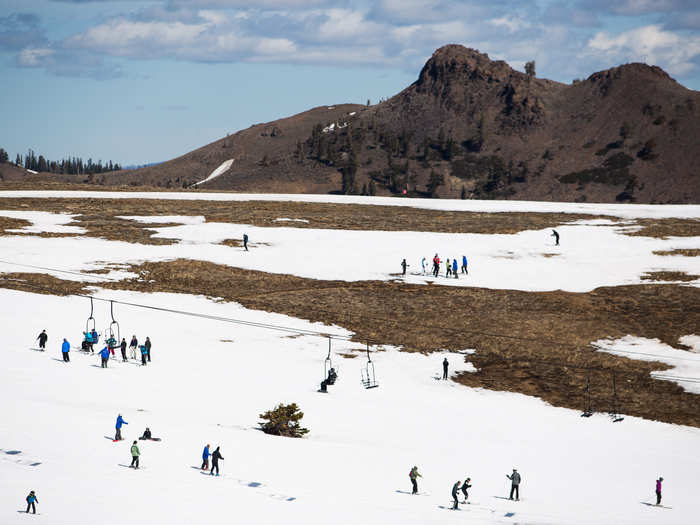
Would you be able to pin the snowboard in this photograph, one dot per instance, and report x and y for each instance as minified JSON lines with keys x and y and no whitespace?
{"x":149,"y":439}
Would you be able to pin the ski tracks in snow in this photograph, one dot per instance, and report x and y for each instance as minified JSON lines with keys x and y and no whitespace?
{"x":12,"y":456}
{"x":261,"y":488}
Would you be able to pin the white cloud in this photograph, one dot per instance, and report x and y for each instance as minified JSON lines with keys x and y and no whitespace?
{"x":34,"y":56}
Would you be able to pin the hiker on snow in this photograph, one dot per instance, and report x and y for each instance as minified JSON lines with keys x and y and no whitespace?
{"x":122,"y":346}
{"x":414,"y":479}
{"x":455,"y":492}
{"x":464,"y":264}
{"x":466,"y":486}
{"x":42,"y":340}
{"x":403,"y":267}
{"x":205,"y":458}
{"x":658,"y":490}
{"x":135,"y":453}
{"x":31,"y":500}
{"x":104,"y":354}
{"x":245,"y":241}
{"x":133,"y":345}
{"x":65,"y":348}
{"x":555,"y":234}
{"x":120,"y":422}
{"x":515,"y":484}
{"x":445,"y":364}
{"x":215,"y":457}
{"x":454,"y":268}
{"x":147,"y":344}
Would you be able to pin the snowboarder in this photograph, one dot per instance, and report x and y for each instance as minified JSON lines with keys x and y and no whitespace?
{"x":455,"y":492}
{"x":31,"y":500}
{"x":42,"y":340}
{"x":464,"y":265}
{"x":515,"y":484}
{"x":436,"y":265}
{"x":245,"y":241}
{"x":445,"y":364}
{"x":122,"y":346}
{"x":147,"y":434}
{"x":658,"y":490}
{"x":422,"y":263}
{"x":414,"y":475}
{"x":120,"y":422}
{"x":104,"y":354}
{"x":205,"y":458}
{"x":135,"y":453}
{"x":403,"y":267}
{"x":466,"y":486}
{"x":147,"y":344}
{"x":144,"y":353}
{"x":215,"y":457}
{"x":65,"y":348}
{"x":454,"y":268}
{"x":555,"y":234}
{"x":133,"y":345}
{"x":448,"y":268}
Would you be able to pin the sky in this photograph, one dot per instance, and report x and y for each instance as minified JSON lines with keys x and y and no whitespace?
{"x":138,"y":82}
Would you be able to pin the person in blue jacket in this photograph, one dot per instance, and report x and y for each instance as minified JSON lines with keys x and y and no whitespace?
{"x":205,"y":458}
{"x":144,"y":354}
{"x":464,"y":264}
{"x":120,"y":422}
{"x":31,"y":500}
{"x":104,"y":354}
{"x":65,"y":348}
{"x":454,"y":268}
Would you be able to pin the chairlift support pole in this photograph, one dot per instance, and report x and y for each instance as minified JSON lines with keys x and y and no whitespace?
{"x":588,"y":410}
{"x":615,"y":417}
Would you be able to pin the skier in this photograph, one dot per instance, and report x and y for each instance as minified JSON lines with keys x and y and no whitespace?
{"x":422,"y":263}
{"x":135,"y":453}
{"x":466,"y":486}
{"x":133,"y":345}
{"x":122,"y":346}
{"x":454,"y":268}
{"x":215,"y":457}
{"x":31,"y":500}
{"x":111,"y":344}
{"x":448,"y":268}
{"x":414,"y":475}
{"x":436,"y":265}
{"x":245,"y":241}
{"x":42,"y":340}
{"x":65,"y":348}
{"x":205,"y":458}
{"x":144,"y":353}
{"x":104,"y":354}
{"x":445,"y":364}
{"x":555,"y":234}
{"x":120,"y":422}
{"x":464,"y":264}
{"x":455,"y":491}
{"x":147,"y":344}
{"x":658,"y":490}
{"x":404,"y":266}
{"x":515,"y":484}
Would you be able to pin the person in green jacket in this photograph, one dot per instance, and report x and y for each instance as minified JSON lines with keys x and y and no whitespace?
{"x":414,"y":479}
{"x":135,"y":453}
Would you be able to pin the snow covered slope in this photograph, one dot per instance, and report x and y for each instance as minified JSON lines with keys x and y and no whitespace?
{"x":223,"y":168}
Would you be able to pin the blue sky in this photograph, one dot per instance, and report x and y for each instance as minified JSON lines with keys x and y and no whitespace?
{"x":139,"y":82}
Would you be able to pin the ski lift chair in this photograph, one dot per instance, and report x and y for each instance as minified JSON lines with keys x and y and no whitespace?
{"x":113,"y":330}
{"x":369,"y":380}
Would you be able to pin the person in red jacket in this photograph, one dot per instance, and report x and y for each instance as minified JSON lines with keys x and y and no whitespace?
{"x":436,"y":265}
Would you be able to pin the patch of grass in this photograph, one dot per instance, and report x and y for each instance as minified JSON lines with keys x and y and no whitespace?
{"x":664,"y":228}
{"x":613,"y":172}
{"x":668,"y":276}
{"x":685,"y":252}
{"x":8,"y":223}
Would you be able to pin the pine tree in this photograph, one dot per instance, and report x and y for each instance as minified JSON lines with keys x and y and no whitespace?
{"x":464,"y":193}
{"x":372,"y":188}
{"x":283,"y":420}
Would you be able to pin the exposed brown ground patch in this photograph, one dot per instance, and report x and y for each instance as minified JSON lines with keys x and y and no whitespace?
{"x":663,"y":228}
{"x":669,"y":276}
{"x":693,"y":252}
{"x":40,"y":283}
{"x":9,"y":223}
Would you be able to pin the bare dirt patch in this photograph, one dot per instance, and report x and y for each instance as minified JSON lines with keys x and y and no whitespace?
{"x":664,"y":228}
{"x":9,"y":223}
{"x":682,"y":252}
{"x":669,"y":276}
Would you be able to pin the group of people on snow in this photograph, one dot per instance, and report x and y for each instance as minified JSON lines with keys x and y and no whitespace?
{"x":91,"y":338}
{"x":215,"y":457}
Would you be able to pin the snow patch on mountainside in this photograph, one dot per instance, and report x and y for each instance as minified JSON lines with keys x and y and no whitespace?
{"x":223,"y":168}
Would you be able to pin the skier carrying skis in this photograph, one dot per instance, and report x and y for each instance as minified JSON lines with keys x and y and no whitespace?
{"x":658,"y":490}
{"x":245,"y":241}
{"x":414,"y":475}
{"x":555,"y":234}
{"x":464,"y":264}
{"x":404,"y":266}
{"x":135,"y":453}
{"x":445,"y":364}
{"x":205,"y":457}
{"x":515,"y":484}
{"x":215,"y":457}
{"x":122,"y":347}
{"x":104,"y":354}
{"x":42,"y":340}
{"x":454,"y":268}
{"x":65,"y":348}
{"x":31,"y":500}
{"x":120,"y":422}
{"x":455,"y":492}
{"x":147,"y":344}
{"x":133,"y":345}
{"x":466,"y":486}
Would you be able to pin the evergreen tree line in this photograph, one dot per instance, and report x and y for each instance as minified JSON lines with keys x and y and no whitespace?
{"x":69,"y":165}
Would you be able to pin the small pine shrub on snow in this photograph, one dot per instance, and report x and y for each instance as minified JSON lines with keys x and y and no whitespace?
{"x":283,"y":421}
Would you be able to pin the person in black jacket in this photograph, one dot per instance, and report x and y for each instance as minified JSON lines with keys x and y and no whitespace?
{"x":147,"y":344}
{"x":466,"y":486}
{"x":42,"y":340}
{"x":123,"y":349}
{"x":515,"y":485}
{"x":445,"y":364}
{"x":455,"y":491}
{"x":215,"y":457}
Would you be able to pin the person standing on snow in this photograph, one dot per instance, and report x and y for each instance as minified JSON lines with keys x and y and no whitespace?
{"x":448,"y":268}
{"x":658,"y":490}
{"x":454,"y":268}
{"x":515,"y":484}
{"x":135,"y":453}
{"x":42,"y":340}
{"x":144,"y":352}
{"x":555,"y":234}
{"x":215,"y":457}
{"x":403,"y":267}
{"x":31,"y":500}
{"x":455,"y":492}
{"x":104,"y":354}
{"x":245,"y":241}
{"x":413,"y":475}
{"x":133,"y":345}
{"x":436,"y":265}
{"x":422,"y":264}
{"x":147,"y":344}
{"x":464,"y":265}
{"x":466,"y":486}
{"x":445,"y":364}
{"x":122,"y":346}
{"x":205,"y":457}
{"x":120,"y":422}
{"x":65,"y":348}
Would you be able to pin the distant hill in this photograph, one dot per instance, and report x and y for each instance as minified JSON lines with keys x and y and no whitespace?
{"x":475,"y":128}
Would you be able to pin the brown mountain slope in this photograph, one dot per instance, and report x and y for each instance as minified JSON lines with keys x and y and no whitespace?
{"x":476,"y":128}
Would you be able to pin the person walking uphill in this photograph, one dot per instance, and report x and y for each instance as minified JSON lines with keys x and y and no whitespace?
{"x":454,"y":268}
{"x":245,"y":241}
{"x":42,"y":340}
{"x":135,"y":453}
{"x":455,"y":493}
{"x":118,"y":426}
{"x":464,"y":265}
{"x":31,"y":500}
{"x":413,"y":475}
{"x":215,"y":457}
{"x":205,"y":457}
{"x":445,"y":365}
{"x":555,"y":234}
{"x":104,"y":354}
{"x":658,"y":490}
{"x":65,"y":348}
{"x":122,"y":347}
{"x":515,"y":484}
